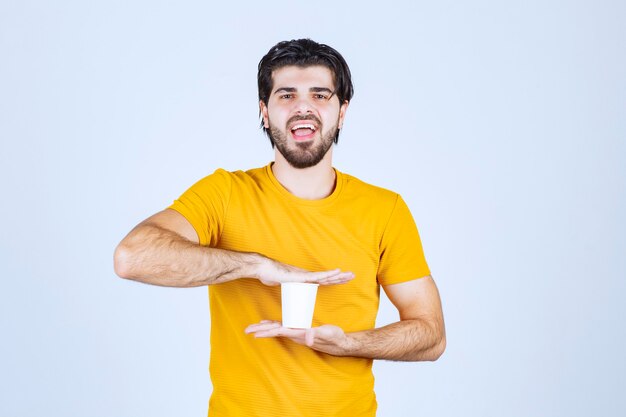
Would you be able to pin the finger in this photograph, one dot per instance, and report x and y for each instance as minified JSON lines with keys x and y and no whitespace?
{"x":281,"y":332}
{"x":339,"y":279}
{"x":330,"y":275}
{"x":264,"y":325}
{"x":309,"y":337}
{"x":276,"y":332}
{"x":318,"y":276}
{"x":334,"y":281}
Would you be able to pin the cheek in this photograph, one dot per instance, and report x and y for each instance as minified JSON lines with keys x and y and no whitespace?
{"x":278,"y":117}
{"x":331,"y":118}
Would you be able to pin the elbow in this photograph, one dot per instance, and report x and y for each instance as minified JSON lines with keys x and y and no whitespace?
{"x":440,"y":341}
{"x":121,"y":262}
{"x":438,"y":349}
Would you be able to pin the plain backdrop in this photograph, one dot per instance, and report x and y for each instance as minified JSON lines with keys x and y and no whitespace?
{"x":501,"y":124}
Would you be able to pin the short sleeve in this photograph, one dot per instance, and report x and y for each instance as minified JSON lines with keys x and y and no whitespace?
{"x":402,"y":257}
{"x":205,"y":204}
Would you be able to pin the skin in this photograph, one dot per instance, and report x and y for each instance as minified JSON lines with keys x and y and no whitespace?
{"x":317,"y":106}
{"x":164,"y":249}
{"x":418,"y":336}
{"x":317,"y":181}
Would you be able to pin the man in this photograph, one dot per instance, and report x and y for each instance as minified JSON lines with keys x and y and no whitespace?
{"x":297,"y":219}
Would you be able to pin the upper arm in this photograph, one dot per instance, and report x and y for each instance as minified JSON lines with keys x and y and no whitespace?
{"x":143,"y":235}
{"x":418,"y":298}
{"x":172,"y":220}
{"x":204,"y":205}
{"x":401,"y":253}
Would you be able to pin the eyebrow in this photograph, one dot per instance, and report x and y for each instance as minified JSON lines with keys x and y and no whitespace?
{"x":312,"y":90}
{"x":285,"y":90}
{"x":320,"y":90}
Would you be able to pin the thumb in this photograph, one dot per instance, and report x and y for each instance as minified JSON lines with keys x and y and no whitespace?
{"x":309,"y":337}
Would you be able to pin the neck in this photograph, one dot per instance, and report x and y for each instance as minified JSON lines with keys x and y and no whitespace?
{"x":311,"y":183}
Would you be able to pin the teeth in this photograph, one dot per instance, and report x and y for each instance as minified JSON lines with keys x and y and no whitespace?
{"x":303,"y":126}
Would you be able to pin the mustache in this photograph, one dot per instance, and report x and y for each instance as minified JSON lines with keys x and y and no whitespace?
{"x":309,"y":118}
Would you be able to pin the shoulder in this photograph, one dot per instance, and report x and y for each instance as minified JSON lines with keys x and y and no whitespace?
{"x":376,"y":195}
{"x":229,"y":178}
{"x":231,"y":183}
{"x":251,"y":178}
{"x":220,"y":179}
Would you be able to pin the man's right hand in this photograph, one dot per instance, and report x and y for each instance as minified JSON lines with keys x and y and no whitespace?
{"x":271,"y":272}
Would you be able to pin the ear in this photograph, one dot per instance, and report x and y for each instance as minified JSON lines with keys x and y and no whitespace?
{"x":264,"y":114}
{"x":342,"y":113}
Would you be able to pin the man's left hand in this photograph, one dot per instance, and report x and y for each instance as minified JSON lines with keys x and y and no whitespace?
{"x":327,"y":338}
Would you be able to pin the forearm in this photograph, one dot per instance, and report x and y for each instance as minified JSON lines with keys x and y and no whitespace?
{"x":406,"y":340}
{"x":154,"y":255}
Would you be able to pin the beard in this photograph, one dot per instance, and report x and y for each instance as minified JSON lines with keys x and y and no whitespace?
{"x":302,"y":154}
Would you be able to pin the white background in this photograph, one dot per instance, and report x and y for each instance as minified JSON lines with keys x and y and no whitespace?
{"x":501,"y":123}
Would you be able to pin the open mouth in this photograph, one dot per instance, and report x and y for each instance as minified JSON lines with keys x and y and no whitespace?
{"x":303,"y":131}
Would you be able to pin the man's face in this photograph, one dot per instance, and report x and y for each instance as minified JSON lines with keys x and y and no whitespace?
{"x":302,"y":114}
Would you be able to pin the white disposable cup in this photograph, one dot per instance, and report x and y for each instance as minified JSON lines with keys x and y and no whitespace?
{"x":298,"y":303}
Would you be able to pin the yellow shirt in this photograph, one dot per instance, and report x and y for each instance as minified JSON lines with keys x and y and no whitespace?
{"x":359,"y":227}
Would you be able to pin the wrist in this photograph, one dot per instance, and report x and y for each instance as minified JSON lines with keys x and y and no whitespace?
{"x":256,"y":265}
{"x":348,"y":345}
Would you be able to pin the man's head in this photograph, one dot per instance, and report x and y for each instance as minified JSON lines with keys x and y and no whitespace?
{"x":304,"y":91}
{"x":303,"y":53}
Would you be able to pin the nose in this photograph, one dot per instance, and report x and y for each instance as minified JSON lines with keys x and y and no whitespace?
{"x":303,"y":106}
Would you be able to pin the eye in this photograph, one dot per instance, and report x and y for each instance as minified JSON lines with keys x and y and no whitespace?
{"x":320,"y":96}
{"x":285,"y":96}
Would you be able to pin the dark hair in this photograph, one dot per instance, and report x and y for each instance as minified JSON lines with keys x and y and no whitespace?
{"x":304,"y":53}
